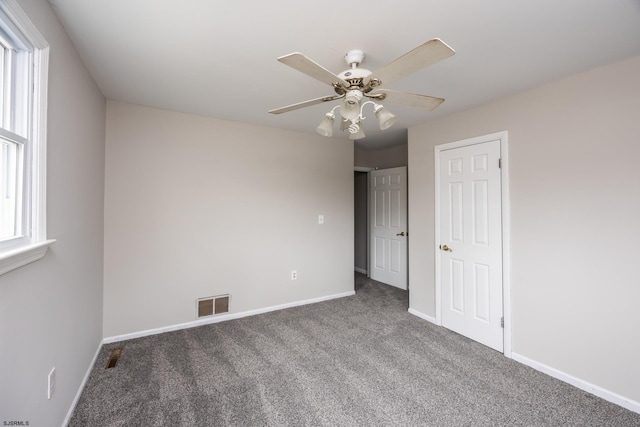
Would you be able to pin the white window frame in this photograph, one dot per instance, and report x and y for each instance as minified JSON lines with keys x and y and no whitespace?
{"x":33,"y":243}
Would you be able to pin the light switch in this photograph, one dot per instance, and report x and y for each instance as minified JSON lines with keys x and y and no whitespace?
{"x":320,"y":219}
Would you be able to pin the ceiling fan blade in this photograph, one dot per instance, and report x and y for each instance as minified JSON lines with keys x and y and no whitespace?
{"x":305,"y":104}
{"x":410,"y":99}
{"x":422,"y":56}
{"x":307,"y":66}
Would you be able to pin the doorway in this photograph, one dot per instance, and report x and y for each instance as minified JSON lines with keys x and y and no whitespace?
{"x":361,"y":227}
{"x":380,"y":225}
{"x":388,"y":234}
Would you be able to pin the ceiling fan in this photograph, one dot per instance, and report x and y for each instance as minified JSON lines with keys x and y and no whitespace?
{"x":356,"y":84}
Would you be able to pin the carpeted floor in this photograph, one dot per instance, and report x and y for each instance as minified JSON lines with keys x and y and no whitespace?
{"x":355,"y":361}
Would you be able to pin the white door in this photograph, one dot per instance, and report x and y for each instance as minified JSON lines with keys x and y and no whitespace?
{"x":471,"y":242}
{"x":388,"y":240}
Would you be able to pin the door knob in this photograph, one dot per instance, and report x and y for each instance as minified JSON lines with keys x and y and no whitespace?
{"x":446,"y":248}
{"x":400,"y":233}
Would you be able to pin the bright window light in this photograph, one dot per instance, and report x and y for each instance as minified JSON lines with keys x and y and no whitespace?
{"x":24,"y":57}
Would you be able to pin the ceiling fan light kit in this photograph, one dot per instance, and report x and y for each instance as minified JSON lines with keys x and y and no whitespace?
{"x":355,"y":131}
{"x":385,"y":118}
{"x":325,"y":128}
{"x":356,"y":83}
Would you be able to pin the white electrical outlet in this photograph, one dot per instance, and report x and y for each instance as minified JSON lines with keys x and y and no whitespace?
{"x":51,"y":383}
{"x":294,"y":274}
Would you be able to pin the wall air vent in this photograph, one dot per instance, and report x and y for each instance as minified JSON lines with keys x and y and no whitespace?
{"x":205,"y":307}
{"x":222,"y":304}
{"x":212,"y":305}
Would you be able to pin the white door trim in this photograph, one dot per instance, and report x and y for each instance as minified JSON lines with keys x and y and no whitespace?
{"x":506,"y":227}
{"x":363,"y":169}
{"x":366,"y":169}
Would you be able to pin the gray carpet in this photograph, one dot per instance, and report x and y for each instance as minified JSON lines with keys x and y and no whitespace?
{"x":355,"y":361}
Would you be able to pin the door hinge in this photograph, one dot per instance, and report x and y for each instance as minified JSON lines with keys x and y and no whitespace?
{"x":502,"y":322}
{"x":499,"y":163}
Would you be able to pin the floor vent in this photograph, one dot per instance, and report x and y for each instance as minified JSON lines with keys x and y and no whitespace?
{"x":213,"y":305}
{"x":113,"y":359}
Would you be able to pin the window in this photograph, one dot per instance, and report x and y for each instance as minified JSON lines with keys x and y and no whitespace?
{"x":10,"y":156}
{"x":23,"y":88}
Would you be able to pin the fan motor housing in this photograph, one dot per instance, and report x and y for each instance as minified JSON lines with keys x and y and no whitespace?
{"x":354,"y":73}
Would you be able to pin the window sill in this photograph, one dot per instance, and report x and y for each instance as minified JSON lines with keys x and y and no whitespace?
{"x":24,"y":255}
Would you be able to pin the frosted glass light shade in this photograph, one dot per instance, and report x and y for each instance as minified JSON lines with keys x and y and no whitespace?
{"x":325,"y":128}
{"x":385,"y":118}
{"x":350,"y":111}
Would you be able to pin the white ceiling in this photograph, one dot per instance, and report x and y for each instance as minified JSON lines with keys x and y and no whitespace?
{"x":218,"y":58}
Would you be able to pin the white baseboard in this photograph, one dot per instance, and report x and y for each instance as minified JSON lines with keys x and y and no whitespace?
{"x":576,"y":382}
{"x":81,"y":388}
{"x":422,"y":316}
{"x":186,"y":325}
{"x":360,"y":270}
{"x":581,"y":384}
{"x":562,"y":376}
{"x":221,"y":318}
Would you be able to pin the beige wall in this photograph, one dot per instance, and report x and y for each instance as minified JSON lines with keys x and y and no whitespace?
{"x":575,"y":213}
{"x":51,"y":310}
{"x":381,"y":158}
{"x":197,"y":207}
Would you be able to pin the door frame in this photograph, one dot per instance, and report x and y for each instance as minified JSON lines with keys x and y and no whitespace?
{"x":506,"y":227}
{"x":366,"y":170}
{"x":370,"y":223}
